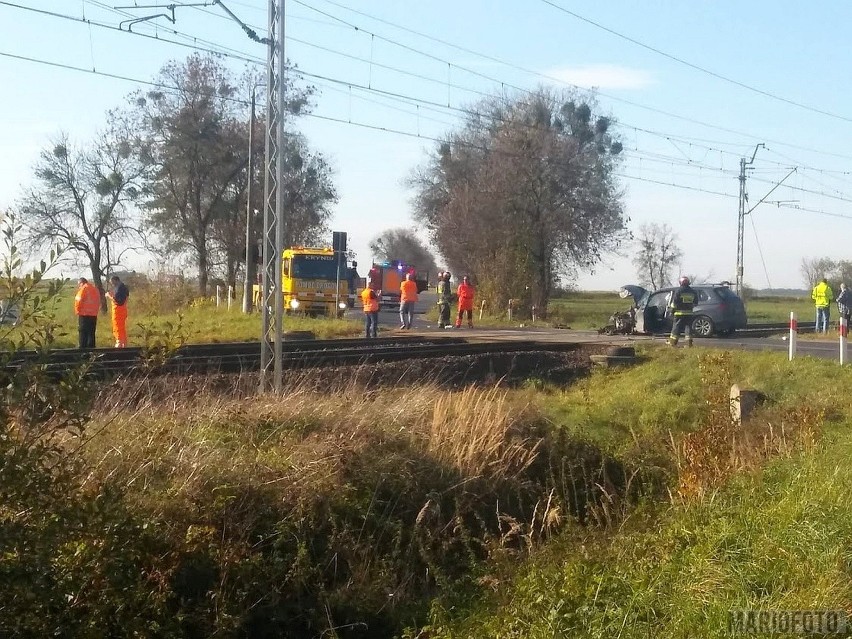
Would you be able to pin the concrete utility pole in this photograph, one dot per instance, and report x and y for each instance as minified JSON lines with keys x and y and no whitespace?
{"x":251,"y":213}
{"x":741,"y":217}
{"x":272,"y":312}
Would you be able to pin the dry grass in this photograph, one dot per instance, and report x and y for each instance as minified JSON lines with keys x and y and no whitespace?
{"x":200,"y":439}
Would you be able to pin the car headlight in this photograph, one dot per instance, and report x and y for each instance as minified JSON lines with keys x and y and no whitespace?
{"x":294,"y":304}
{"x":341,"y":306}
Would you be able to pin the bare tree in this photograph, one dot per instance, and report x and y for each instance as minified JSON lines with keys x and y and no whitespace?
{"x":523,"y":194}
{"x":84,"y":199}
{"x":657,"y":253}
{"x":815,"y":268}
{"x":403,"y":244}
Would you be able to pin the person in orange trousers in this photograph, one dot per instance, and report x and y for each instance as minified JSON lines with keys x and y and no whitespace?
{"x":119,"y":296}
{"x":465,"y":294}
{"x":87,"y":305}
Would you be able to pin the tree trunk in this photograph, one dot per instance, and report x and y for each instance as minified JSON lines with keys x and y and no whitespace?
{"x":98,"y":282}
{"x":202,"y":269}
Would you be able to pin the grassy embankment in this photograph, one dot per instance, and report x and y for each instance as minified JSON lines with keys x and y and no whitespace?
{"x":188,"y":509}
{"x":759,"y":523}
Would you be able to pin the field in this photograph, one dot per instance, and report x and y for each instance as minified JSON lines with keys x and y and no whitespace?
{"x":158,"y":309}
{"x":584,"y":310}
{"x":175,"y":311}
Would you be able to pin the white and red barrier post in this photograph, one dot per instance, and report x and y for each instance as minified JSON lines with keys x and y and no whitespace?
{"x":794,"y":327}
{"x":844,"y":329}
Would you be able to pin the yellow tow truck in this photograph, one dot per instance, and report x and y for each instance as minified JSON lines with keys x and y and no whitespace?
{"x":314,"y":282}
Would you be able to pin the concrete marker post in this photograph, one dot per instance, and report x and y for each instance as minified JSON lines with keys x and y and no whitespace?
{"x":230,"y":295}
{"x":794,"y":326}
{"x":218,"y":295}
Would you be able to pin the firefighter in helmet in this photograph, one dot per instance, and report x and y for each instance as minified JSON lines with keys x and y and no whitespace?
{"x":681,"y":303}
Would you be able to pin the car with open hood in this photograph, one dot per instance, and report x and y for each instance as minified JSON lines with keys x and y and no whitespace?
{"x":719,"y":310}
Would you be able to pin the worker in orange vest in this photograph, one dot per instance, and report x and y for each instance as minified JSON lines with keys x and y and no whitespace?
{"x":118,"y":296}
{"x":407,"y":297}
{"x":465,"y":294}
{"x":370,"y":298}
{"x":87,"y":305}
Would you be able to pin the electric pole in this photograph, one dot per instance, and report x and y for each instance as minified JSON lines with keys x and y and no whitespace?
{"x":272,"y":324}
{"x":272,"y":297}
{"x":741,"y":217}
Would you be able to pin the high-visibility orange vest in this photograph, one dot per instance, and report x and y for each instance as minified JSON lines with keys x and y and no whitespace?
{"x":408,"y":291}
{"x":370,"y":299}
{"x":87,"y":302}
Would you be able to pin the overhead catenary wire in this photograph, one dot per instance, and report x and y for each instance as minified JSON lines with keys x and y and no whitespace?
{"x":697,"y":67}
{"x":239,"y":55}
{"x":408,"y":97}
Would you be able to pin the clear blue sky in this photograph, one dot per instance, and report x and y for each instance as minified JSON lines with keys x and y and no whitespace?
{"x":796,"y":51}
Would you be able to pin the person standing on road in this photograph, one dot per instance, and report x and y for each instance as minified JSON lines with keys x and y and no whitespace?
{"x":370,"y":298}
{"x":683,"y":300}
{"x":465,"y":293}
{"x":844,"y":303}
{"x":445,"y":298}
{"x":118,"y":296}
{"x":87,"y":305}
{"x":352,"y":281}
{"x":407,"y":297}
{"x":823,"y":296}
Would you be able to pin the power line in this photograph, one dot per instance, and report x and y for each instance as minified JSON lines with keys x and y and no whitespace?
{"x":696,"y":67}
{"x":239,"y":55}
{"x":491,"y":58}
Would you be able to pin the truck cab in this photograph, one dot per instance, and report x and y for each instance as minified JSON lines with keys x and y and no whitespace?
{"x":315,"y":281}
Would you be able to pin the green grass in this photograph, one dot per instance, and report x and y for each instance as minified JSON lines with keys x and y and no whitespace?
{"x":776,"y":536}
{"x":200,"y":321}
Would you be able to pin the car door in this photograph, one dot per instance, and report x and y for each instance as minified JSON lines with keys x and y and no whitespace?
{"x":655,"y":318}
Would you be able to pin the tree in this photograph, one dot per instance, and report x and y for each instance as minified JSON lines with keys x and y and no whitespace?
{"x":403,"y":244}
{"x":657,"y":253}
{"x":194,"y":142}
{"x":523,"y":194}
{"x":84,"y":199}
{"x":814,"y":269}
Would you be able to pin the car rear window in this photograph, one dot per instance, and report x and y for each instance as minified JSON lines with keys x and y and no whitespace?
{"x":725,"y":293}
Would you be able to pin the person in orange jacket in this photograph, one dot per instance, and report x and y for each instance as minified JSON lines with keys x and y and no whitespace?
{"x":407,"y":297}
{"x":370,"y":298}
{"x":465,"y":294}
{"x":118,"y":296}
{"x":87,"y":305}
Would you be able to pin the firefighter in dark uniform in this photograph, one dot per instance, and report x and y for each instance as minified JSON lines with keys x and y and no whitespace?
{"x":683,"y":300}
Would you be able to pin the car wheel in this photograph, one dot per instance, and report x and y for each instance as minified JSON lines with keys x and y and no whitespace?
{"x":702,"y":326}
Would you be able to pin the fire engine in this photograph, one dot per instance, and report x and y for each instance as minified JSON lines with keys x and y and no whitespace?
{"x":388,"y":275}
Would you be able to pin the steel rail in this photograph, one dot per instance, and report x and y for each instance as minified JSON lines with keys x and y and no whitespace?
{"x":245,"y":357}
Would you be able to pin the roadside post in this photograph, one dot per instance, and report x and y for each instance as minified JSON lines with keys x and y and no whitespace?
{"x":511,"y":304}
{"x":218,"y":295}
{"x":793,"y":328}
{"x":844,"y":328}
{"x":482,"y":308}
{"x":230,"y":295}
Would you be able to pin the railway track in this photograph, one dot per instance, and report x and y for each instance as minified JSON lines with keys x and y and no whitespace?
{"x":245,"y":356}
